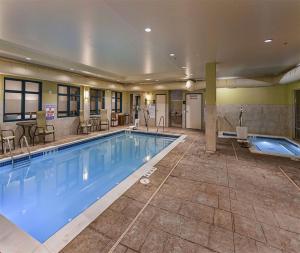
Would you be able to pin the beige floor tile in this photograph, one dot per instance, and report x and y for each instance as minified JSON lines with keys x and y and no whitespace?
{"x":242,"y":208}
{"x":288,"y":222}
{"x":223,"y":219}
{"x":248,"y":227}
{"x":244,"y":244}
{"x":194,"y":231}
{"x":221,"y":240}
{"x":136,"y":236}
{"x":197,"y":211}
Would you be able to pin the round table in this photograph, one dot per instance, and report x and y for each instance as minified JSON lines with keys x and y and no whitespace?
{"x":26,"y":125}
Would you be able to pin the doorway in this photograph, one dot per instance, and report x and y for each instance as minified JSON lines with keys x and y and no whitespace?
{"x":135,"y":103}
{"x":193,"y":113}
{"x":161,"y":108}
{"x":176,"y":101}
{"x":297,"y":114}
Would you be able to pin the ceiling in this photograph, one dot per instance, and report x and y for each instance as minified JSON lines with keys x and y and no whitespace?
{"x":106,"y":38}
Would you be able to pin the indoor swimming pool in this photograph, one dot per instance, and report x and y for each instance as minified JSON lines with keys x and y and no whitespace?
{"x":59,"y":184}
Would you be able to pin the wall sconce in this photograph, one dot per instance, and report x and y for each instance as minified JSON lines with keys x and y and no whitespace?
{"x":86,"y":95}
{"x":189,"y":84}
{"x":148,"y":98}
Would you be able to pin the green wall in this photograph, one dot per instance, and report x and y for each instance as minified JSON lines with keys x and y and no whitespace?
{"x":258,"y":95}
{"x":290,"y":91}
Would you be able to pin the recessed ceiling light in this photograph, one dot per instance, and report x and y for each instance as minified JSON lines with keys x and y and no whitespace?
{"x":148,"y":79}
{"x":268,"y":40}
{"x":172,"y":54}
{"x":156,"y":80}
{"x":183,"y":67}
{"x":28,"y":58}
{"x":148,"y":29}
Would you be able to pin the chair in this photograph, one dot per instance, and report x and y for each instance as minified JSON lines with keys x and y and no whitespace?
{"x":114,"y":119}
{"x":5,"y":137}
{"x":42,"y":128}
{"x":104,"y":121}
{"x":83,"y":124}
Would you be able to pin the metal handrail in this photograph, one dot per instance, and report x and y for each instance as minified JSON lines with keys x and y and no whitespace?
{"x":163,"y":118}
{"x":9,"y":146}
{"x":27,"y":146}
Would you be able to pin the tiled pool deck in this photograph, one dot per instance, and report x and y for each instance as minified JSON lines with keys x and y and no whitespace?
{"x":230,"y":201}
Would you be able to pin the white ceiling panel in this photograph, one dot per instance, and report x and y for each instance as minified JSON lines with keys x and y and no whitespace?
{"x":107,"y":37}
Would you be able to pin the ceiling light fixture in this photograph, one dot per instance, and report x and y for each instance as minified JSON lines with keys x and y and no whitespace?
{"x":183,"y":67}
{"x":172,"y":54}
{"x":28,"y":58}
{"x":268,"y":40}
{"x":148,"y":79}
{"x":71,"y":69}
{"x":148,"y":29}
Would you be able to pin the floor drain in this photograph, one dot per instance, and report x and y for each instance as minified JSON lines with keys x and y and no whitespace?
{"x":145,"y":181}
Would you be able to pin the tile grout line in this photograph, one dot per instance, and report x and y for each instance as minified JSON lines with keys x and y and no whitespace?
{"x":282,"y":171}
{"x":148,"y":202}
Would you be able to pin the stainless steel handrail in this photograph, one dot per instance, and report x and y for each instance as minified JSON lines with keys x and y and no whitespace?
{"x":24,"y":139}
{"x":163,"y":118}
{"x":9,"y":146}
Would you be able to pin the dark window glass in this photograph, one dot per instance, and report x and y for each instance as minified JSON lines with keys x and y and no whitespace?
{"x":22,"y":99}
{"x":96,"y":101}
{"x":116,"y":101}
{"x":68,"y":101}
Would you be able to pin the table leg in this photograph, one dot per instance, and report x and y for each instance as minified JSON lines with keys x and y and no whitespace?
{"x":23,"y":134}
{"x":29,"y":133}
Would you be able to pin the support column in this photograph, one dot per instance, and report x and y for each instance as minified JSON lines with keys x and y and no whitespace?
{"x":86,"y":102}
{"x":108,"y":103}
{"x":210,"y":108}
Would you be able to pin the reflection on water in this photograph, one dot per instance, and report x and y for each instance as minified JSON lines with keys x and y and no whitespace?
{"x":54,"y":189}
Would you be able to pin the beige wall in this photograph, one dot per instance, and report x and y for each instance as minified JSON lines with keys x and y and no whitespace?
{"x":269,"y":110}
{"x":63,"y":126}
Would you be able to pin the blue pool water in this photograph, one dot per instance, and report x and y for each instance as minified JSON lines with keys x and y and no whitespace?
{"x":275,"y":146}
{"x":55,"y":188}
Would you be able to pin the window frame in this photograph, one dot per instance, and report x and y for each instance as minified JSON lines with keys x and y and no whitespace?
{"x":68,"y":95}
{"x":117,"y":110}
{"x":99,"y":91}
{"x":23,"y":93}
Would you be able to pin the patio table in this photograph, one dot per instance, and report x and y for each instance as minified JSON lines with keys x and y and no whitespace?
{"x":26,"y":125}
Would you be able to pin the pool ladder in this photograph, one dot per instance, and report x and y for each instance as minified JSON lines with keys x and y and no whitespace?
{"x":22,"y":162}
{"x":162,"y":118}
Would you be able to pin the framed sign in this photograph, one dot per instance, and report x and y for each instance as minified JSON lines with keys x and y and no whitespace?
{"x":50,"y":111}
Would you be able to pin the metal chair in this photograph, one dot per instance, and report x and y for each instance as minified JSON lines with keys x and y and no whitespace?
{"x":5,"y":138}
{"x":104,"y":121}
{"x":114,"y":119}
{"x":42,"y":128}
{"x":83,"y":124}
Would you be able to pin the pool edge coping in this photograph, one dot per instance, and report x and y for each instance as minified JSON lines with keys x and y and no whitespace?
{"x":70,"y":230}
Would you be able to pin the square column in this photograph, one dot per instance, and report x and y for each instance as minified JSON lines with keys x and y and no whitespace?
{"x":86,"y":102}
{"x":210,"y":108}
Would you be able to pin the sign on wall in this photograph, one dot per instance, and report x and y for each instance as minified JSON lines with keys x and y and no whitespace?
{"x":50,"y":111}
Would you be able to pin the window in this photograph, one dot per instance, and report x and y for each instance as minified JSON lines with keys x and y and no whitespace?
{"x":22,"y":99}
{"x":96,"y":101}
{"x":68,"y":100}
{"x":116,"y":101}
